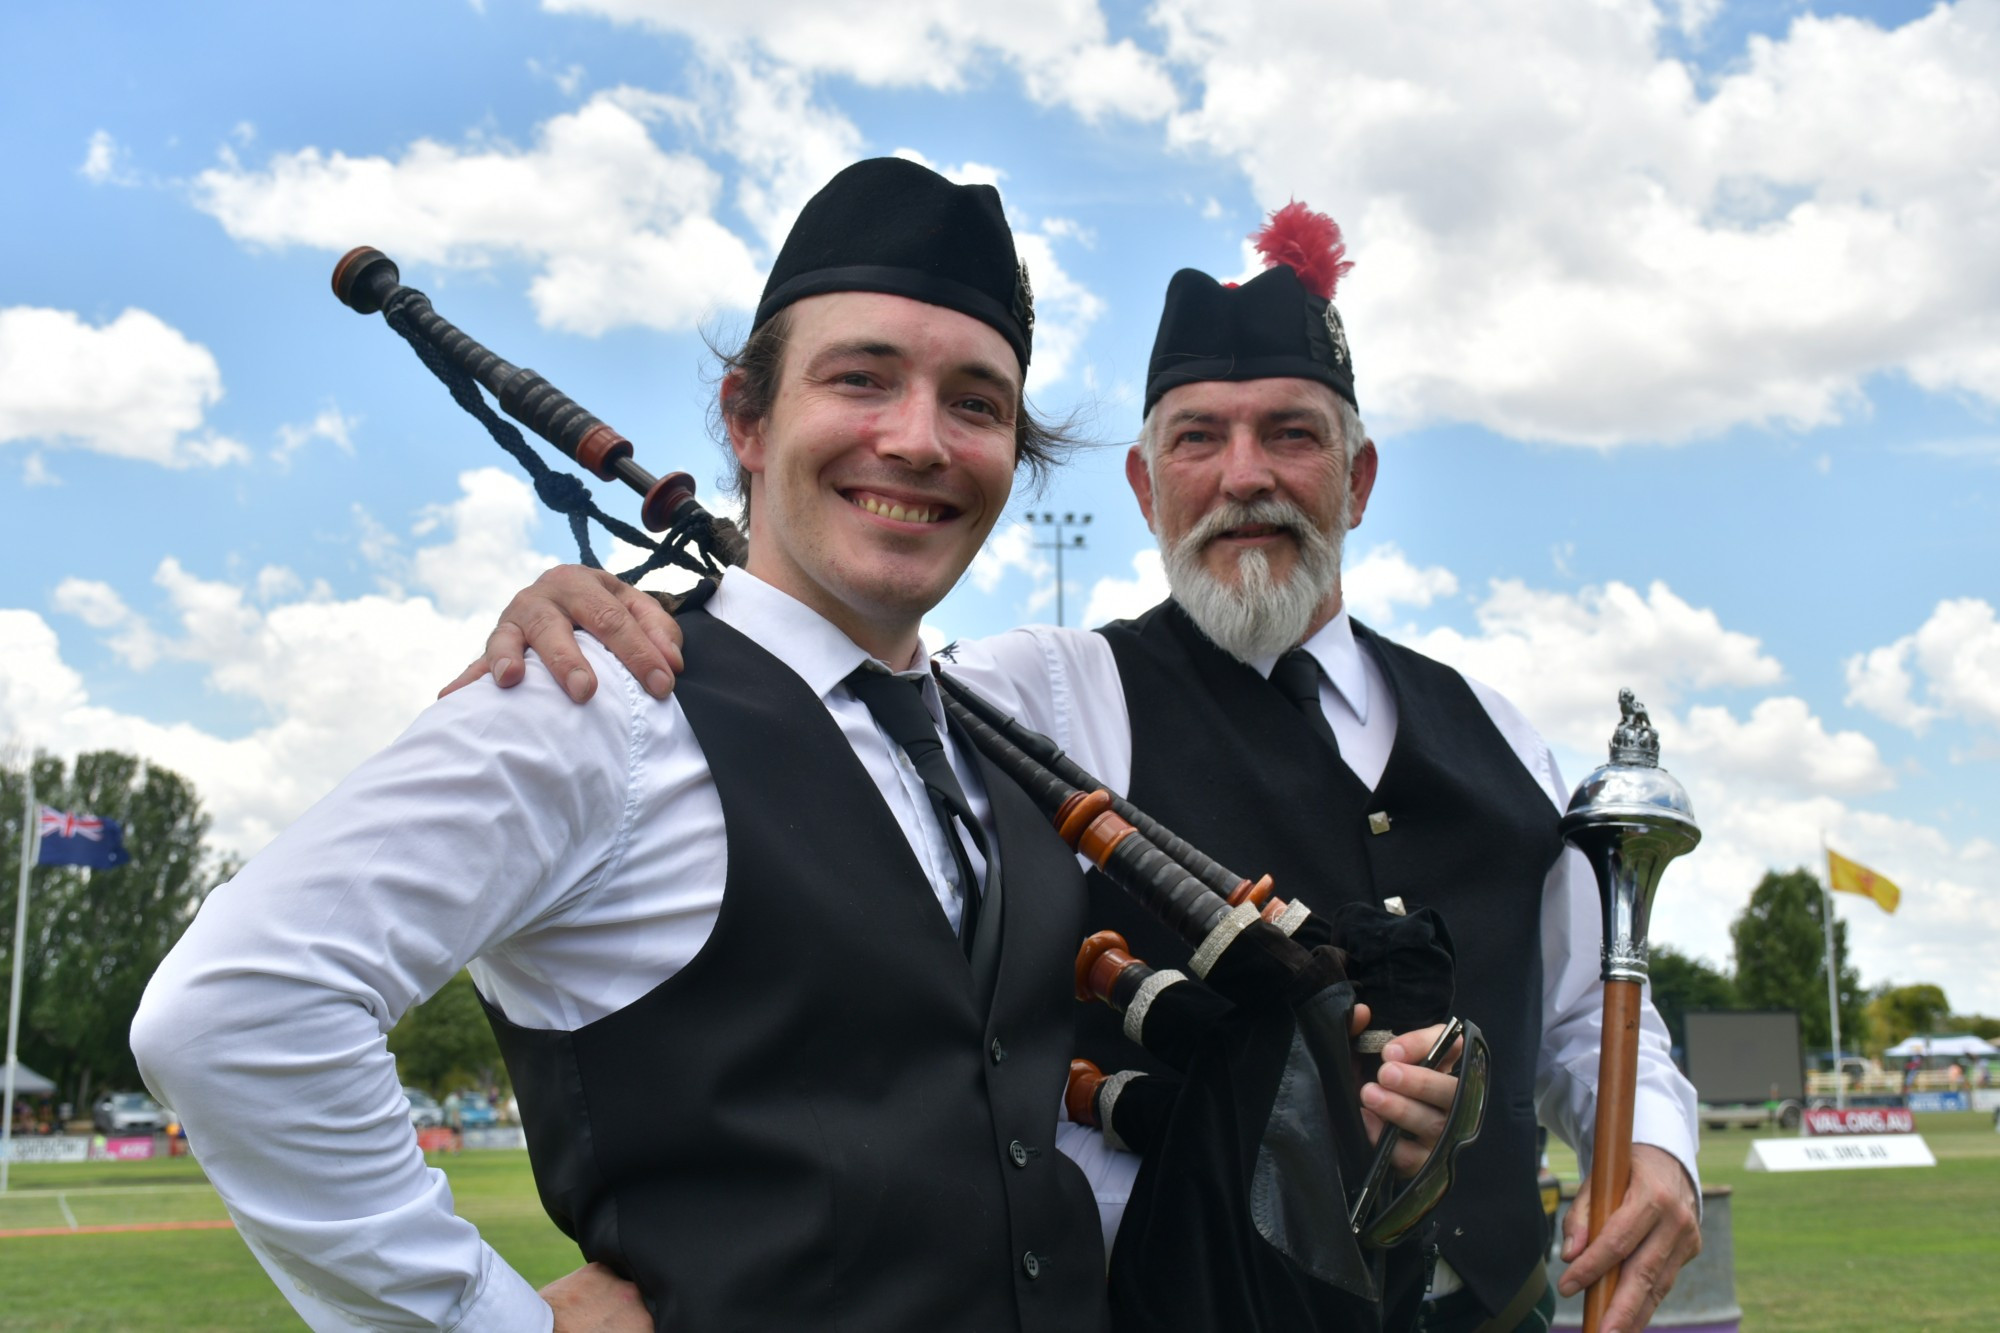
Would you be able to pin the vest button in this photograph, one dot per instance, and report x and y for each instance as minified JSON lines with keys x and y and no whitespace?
{"x":1018,"y":1153}
{"x":1031,"y":1266}
{"x":998,"y":1051}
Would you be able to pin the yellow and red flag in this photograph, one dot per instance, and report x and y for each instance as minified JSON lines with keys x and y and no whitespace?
{"x":1845,"y":876}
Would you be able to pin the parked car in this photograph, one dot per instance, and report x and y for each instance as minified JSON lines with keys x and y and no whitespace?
{"x":129,"y":1113}
{"x":425,"y":1113}
{"x":474,"y":1111}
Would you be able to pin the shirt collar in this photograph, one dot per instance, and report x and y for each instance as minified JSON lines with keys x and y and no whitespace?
{"x":1339,"y":656}
{"x":815,"y":649}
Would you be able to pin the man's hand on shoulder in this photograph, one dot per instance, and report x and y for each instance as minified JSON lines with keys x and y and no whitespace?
{"x":594,"y":1299}
{"x":546,"y":615}
{"x":1652,"y":1234}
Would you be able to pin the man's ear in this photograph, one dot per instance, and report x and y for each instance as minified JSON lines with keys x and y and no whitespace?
{"x":1141,"y":480}
{"x":746,"y":434}
{"x":1361,"y":482}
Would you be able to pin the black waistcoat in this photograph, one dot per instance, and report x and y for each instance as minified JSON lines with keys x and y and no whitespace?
{"x":811,"y":1125}
{"x":1220,"y":757}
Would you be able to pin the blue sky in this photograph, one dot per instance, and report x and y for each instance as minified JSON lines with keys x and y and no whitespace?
{"x":1674,"y":325}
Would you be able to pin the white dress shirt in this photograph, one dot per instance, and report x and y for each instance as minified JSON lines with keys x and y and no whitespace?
{"x":574,"y":857}
{"x":1065,"y":684}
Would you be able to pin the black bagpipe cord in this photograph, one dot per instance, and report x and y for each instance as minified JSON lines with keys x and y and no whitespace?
{"x":560,"y":491}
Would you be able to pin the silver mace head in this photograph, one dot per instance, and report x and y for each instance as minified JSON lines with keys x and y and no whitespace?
{"x":1630,"y":818}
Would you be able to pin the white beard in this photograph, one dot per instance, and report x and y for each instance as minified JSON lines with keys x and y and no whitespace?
{"x":1254,"y":617}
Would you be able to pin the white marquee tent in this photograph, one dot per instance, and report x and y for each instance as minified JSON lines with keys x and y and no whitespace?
{"x":27,"y":1083}
{"x":1941,"y":1046}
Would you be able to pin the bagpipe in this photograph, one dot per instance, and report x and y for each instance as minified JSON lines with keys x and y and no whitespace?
{"x":1260,"y":1203}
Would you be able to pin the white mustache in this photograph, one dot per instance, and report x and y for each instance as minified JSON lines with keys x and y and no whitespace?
{"x":1269,"y":512}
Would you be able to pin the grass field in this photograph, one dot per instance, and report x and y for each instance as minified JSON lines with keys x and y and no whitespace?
{"x":1910,"y":1250}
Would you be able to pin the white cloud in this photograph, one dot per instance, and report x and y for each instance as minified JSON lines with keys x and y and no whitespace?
{"x":105,"y":161}
{"x":1009,"y":548}
{"x":1064,"y":310}
{"x":1113,"y":598}
{"x":1101,"y":79}
{"x":134,"y":388}
{"x":99,"y":606}
{"x":1563,"y":657}
{"x":1691,"y":16}
{"x":1957,"y":651}
{"x":1783,"y":745}
{"x":35,"y":472}
{"x":1880,"y":681}
{"x":788,"y":145}
{"x":568,"y":79}
{"x":620,"y":230}
{"x":1561,"y":234}
{"x":275,"y":582}
{"x":329,"y":424}
{"x":1383,"y":579}
{"x":329,"y":681}
{"x":1061,"y":48}
{"x":489,"y":556}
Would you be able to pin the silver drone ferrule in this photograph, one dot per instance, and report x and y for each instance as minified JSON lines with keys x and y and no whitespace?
{"x":1629,"y":818}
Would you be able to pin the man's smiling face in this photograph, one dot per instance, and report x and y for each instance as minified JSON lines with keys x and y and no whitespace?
{"x":1249,"y":488}
{"x":886,"y":458}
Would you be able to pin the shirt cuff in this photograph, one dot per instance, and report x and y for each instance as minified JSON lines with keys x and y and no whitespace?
{"x":503,"y":1300}
{"x":1664,"y":1124}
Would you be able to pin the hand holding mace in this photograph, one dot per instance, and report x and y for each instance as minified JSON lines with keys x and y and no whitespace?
{"x":1629,"y":818}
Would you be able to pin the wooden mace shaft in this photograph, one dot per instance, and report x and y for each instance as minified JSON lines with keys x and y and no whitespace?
{"x":1611,"y":1159}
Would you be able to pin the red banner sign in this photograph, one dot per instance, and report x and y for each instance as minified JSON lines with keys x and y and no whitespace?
{"x":1860,"y":1120}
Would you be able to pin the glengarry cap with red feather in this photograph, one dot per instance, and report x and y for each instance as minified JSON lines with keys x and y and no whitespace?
{"x":1279,"y":325}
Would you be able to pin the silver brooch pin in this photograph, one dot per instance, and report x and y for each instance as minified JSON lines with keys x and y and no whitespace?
{"x":1024,"y":298}
{"x":1335,"y":332}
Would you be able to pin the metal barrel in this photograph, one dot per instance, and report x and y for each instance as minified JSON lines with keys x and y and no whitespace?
{"x":1704,"y":1296}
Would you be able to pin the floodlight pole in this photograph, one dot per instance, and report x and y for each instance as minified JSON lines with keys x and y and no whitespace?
{"x":30,"y":835}
{"x":1059,"y":544}
{"x":1832,"y":978}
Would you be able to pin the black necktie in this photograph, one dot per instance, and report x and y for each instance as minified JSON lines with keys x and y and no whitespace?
{"x":898,"y":706}
{"x":1297,"y":677}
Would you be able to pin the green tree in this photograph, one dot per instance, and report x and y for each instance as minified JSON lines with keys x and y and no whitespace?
{"x":1781,"y":957}
{"x":1979,"y":1025}
{"x":445,"y":1043}
{"x":1897,"y":1012}
{"x":95,"y":936}
{"x":1681,"y":983}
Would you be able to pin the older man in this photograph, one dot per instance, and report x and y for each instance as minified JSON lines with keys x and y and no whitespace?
{"x":1250,"y":713}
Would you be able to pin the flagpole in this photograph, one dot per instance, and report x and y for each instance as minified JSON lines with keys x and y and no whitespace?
{"x":30,"y":835}
{"x":1832,"y":976}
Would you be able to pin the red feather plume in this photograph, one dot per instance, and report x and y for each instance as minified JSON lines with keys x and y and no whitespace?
{"x":1307,"y":241}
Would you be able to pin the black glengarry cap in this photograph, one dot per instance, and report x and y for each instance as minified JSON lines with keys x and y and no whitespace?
{"x":890,"y":225}
{"x":1279,"y":325}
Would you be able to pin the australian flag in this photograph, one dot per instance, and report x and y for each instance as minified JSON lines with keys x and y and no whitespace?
{"x":81,"y":840}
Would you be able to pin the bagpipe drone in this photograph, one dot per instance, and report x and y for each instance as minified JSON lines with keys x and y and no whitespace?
{"x":1260,"y":1204}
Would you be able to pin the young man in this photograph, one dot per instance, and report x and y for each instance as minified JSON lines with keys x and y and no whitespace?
{"x":1253,"y":716}
{"x":780,"y":1033}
